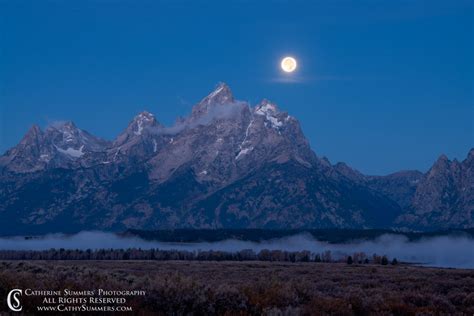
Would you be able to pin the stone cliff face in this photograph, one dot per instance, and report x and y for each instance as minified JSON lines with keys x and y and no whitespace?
{"x":226,"y":165}
{"x":444,"y":196}
{"x":399,"y":186}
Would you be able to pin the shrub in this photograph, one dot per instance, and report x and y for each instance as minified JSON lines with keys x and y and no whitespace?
{"x":349,"y":260}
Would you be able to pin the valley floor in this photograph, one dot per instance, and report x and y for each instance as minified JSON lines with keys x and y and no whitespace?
{"x":206,"y":288}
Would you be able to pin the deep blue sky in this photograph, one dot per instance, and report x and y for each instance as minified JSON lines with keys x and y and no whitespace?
{"x":382,"y":85}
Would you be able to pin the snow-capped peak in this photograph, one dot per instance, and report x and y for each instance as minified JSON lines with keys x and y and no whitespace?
{"x":142,"y":120}
{"x":221,"y":95}
{"x":144,"y":116}
{"x":72,"y":141}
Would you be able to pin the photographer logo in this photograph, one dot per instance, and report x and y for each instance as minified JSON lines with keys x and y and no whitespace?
{"x":13,"y":300}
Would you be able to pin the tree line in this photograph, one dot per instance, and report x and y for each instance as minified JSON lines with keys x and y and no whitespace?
{"x":198,"y":255}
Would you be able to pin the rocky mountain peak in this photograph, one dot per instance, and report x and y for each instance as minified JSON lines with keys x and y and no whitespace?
{"x":67,"y":129}
{"x":62,"y":144}
{"x":34,"y":130}
{"x":63,"y":125}
{"x":222,"y":95}
{"x":271,"y":113}
{"x":266,"y":106}
{"x":32,"y":134}
{"x":140,"y":140}
{"x":443,"y":158}
{"x":144,"y":116}
{"x":444,"y":195}
{"x":227,"y":165}
{"x":444,"y":166}
{"x":441,"y":163}
{"x":72,"y":141}
{"x":470,"y":155}
{"x":138,"y":126}
{"x":142,"y":121}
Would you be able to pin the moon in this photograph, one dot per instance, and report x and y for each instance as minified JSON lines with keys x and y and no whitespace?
{"x":288,"y":64}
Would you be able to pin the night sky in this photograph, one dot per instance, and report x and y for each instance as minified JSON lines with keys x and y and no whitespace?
{"x":381,"y":85}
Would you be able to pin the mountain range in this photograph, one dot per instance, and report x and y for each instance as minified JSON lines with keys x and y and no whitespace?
{"x":227,"y":165}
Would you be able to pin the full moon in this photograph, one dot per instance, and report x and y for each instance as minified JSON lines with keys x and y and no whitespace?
{"x":288,"y":64}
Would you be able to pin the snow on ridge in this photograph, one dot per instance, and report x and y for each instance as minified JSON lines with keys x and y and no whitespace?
{"x":243,"y":151}
{"x":221,"y":89}
{"x":216,"y":92}
{"x":139,"y":128}
{"x":116,"y":153}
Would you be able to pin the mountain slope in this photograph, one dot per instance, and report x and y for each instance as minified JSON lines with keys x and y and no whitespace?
{"x":61,"y":145}
{"x":291,"y":195}
{"x":399,"y":186}
{"x":227,"y":164}
{"x":444,"y":197}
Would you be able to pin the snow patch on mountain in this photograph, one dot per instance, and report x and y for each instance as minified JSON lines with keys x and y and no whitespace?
{"x":143,"y":119}
{"x":68,"y":136}
{"x":45,"y":157}
{"x":71,"y":152}
{"x":269,"y":110}
{"x":116,"y":153}
{"x":243,"y":151}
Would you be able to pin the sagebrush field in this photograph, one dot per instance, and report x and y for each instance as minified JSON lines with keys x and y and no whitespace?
{"x":254,"y":288}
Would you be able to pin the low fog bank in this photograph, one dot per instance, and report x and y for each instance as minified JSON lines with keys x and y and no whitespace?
{"x":442,"y":251}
